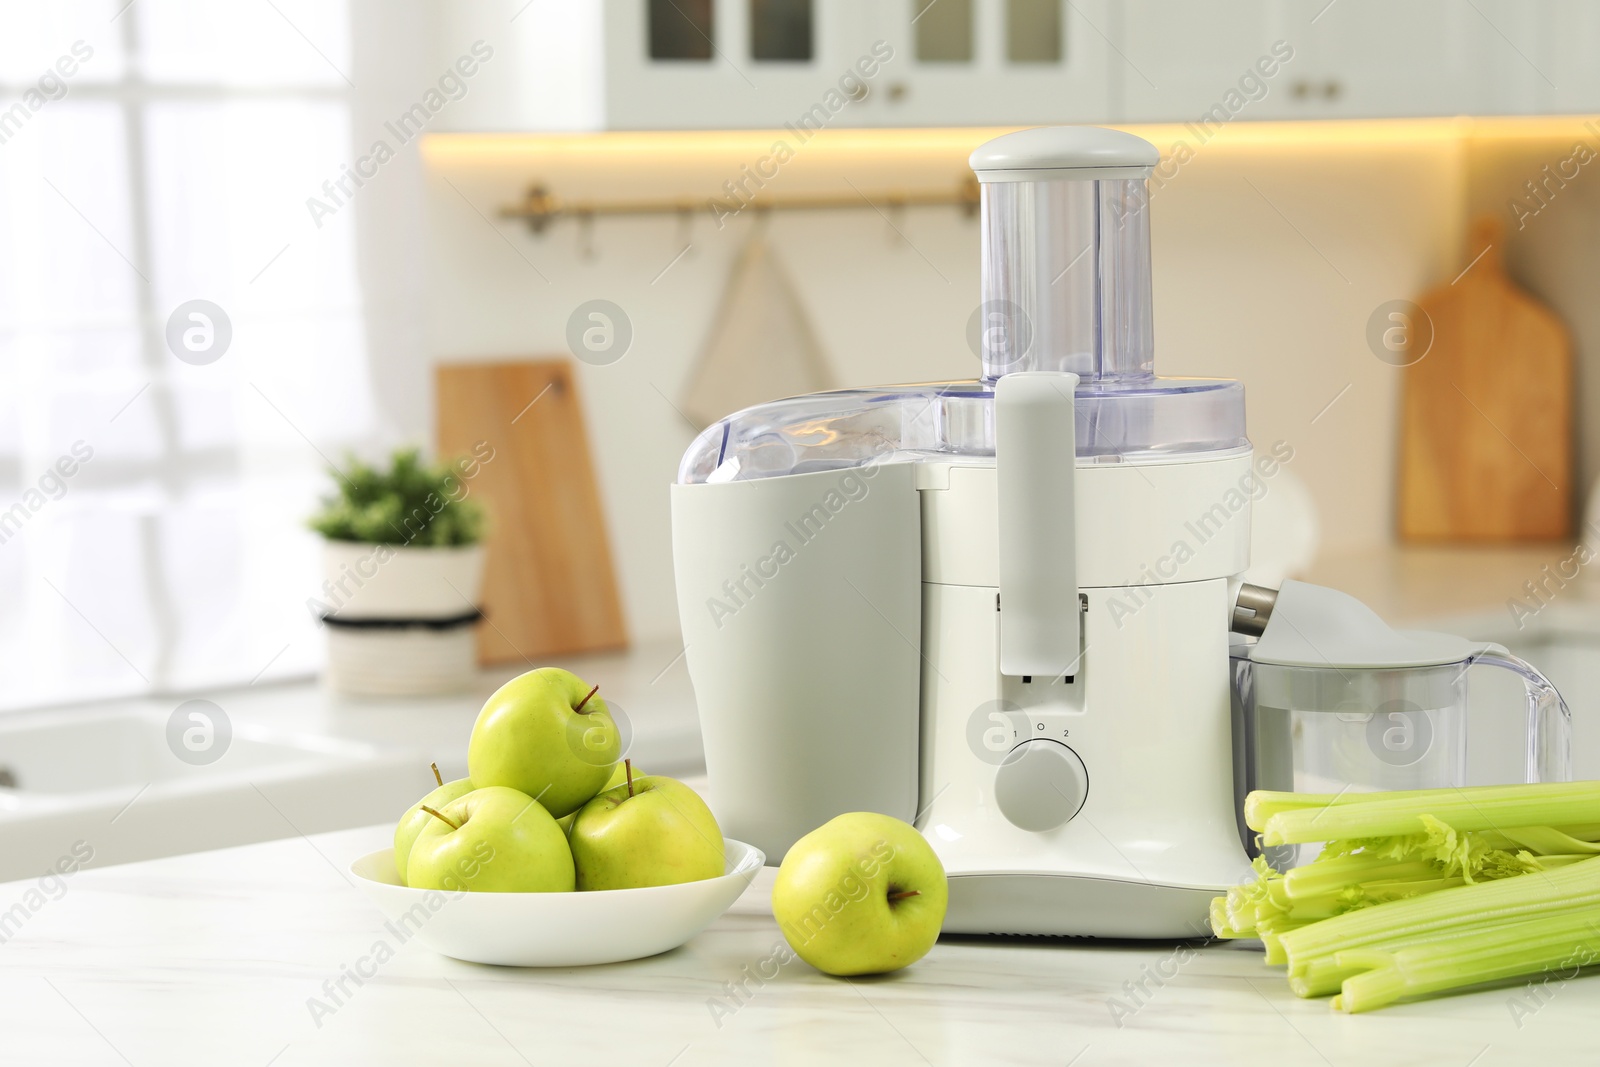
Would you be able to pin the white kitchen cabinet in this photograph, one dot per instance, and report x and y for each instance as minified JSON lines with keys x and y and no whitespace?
{"x":1180,"y":60}
{"x":729,"y":64}
{"x":992,"y":62}
{"x":896,"y":62}
{"x":1555,"y":43}
{"x":750,"y":63}
{"x":1381,"y":59}
{"x":1350,"y":58}
{"x":657,"y":64}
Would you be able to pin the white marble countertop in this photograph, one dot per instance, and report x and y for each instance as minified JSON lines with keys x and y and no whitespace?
{"x":210,"y":959}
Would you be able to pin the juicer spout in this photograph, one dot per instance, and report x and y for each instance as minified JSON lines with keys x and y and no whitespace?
{"x":1252,"y":608}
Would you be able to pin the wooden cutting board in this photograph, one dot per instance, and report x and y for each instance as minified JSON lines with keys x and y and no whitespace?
{"x":548,"y":585}
{"x":1486,"y":434}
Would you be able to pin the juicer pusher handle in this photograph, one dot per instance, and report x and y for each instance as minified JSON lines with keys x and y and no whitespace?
{"x":1035,"y":469}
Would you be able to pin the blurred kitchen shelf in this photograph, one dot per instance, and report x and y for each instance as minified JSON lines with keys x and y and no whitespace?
{"x":684,"y":172}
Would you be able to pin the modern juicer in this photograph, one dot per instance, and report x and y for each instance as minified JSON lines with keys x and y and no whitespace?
{"x":1002,"y":609}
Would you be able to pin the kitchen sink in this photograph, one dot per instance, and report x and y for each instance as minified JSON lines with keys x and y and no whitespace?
{"x":106,"y":781}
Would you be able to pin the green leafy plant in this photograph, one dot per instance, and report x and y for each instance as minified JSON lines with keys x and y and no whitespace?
{"x":411,"y":503}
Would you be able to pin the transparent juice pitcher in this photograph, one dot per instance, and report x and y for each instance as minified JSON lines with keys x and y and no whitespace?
{"x":1330,"y":699}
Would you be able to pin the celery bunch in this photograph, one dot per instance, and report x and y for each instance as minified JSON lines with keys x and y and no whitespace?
{"x":1424,"y":891}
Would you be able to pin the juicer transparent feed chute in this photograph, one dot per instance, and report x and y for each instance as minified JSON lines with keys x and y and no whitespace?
{"x":1066,"y":288}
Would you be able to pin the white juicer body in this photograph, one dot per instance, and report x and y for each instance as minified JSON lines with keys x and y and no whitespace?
{"x":1145,"y":721}
{"x":998,"y":608}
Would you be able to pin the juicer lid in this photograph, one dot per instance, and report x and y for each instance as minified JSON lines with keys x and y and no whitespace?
{"x":1074,"y":152}
{"x":1312,"y":626}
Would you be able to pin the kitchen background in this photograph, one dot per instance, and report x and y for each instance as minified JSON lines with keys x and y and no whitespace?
{"x":211,"y":152}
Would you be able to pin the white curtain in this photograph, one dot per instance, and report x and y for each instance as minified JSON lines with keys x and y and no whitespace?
{"x":171,"y":165}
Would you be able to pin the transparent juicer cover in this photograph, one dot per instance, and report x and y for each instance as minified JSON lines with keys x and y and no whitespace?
{"x":1065,"y":232}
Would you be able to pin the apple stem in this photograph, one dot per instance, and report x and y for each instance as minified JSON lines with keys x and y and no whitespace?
{"x":897,"y":897}
{"x":627,"y":770}
{"x":441,"y":818}
{"x":585,"y":700}
{"x":437,"y":777}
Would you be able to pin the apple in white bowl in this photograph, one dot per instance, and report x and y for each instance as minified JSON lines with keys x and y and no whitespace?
{"x":861,"y":894}
{"x":493,"y":840}
{"x":648,"y":831}
{"x":415,"y":818}
{"x":556,"y":929}
{"x":548,"y":734}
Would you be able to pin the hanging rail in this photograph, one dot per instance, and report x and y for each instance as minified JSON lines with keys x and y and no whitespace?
{"x":540,"y":207}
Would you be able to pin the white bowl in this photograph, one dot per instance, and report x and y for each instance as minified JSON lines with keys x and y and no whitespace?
{"x":555,"y":929}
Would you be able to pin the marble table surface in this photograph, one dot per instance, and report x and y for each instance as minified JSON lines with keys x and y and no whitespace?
{"x":219,"y":958}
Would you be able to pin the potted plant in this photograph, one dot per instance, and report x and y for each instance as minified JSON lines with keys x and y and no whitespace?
{"x":402,"y":565}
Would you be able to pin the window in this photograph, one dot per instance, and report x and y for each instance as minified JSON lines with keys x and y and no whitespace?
{"x":681,"y":29}
{"x":156,"y":455}
{"x":1033,"y":31}
{"x":780,"y":30}
{"x":943,"y":30}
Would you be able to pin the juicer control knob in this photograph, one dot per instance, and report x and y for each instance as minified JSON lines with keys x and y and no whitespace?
{"x":1040,"y":785}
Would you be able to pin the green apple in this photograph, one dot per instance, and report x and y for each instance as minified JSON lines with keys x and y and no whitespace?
{"x":621,"y":773}
{"x":861,"y":894}
{"x":647,"y":831}
{"x":493,"y":840}
{"x":547,"y":734}
{"x":412,"y":822}
{"x":618,"y":777}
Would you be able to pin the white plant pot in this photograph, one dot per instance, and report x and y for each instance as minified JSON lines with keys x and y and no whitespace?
{"x":398,"y":617}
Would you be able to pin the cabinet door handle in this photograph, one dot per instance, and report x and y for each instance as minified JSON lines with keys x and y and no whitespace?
{"x":1332,"y":90}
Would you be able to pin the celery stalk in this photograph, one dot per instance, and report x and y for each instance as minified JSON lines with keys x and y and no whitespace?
{"x":1264,"y":803}
{"x":1330,"y":876}
{"x":1565,"y":940}
{"x":1399,"y":814}
{"x":1549,"y":841}
{"x":1479,"y":906}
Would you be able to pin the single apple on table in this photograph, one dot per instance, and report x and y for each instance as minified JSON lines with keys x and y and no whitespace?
{"x":648,"y":831}
{"x":547,"y":734}
{"x":412,"y":822}
{"x":861,"y":894}
{"x":493,"y":840}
